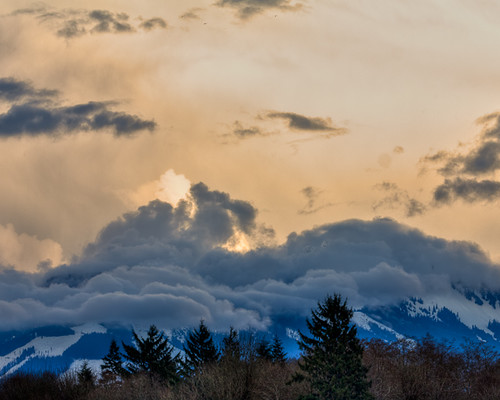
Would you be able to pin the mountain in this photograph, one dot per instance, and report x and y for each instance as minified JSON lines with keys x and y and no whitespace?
{"x":464,"y":316}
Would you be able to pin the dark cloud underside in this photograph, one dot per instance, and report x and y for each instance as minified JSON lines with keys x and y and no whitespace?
{"x":33,"y":113}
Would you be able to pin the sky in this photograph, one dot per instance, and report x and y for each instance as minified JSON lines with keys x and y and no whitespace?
{"x":233,"y":159}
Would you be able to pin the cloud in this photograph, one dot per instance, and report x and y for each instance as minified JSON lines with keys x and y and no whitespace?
{"x":14,"y":90}
{"x":72,"y":23}
{"x":463,"y":170}
{"x":470,"y":190}
{"x":249,"y":8}
{"x":312,"y":194}
{"x":242,"y":132}
{"x":172,"y":187}
{"x":37,"y":115}
{"x":192,"y":14}
{"x":106,"y":21}
{"x":303,"y":123}
{"x":168,"y":265}
{"x":153,"y":23}
{"x":25,"y":252}
{"x":323,"y":127}
{"x":398,"y":198}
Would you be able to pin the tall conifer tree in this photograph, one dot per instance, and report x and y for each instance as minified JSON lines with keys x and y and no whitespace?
{"x":112,"y":365}
{"x":200,"y":349}
{"x":153,"y":355}
{"x":278,"y":354}
{"x":231,"y":347}
{"x":332,"y":354}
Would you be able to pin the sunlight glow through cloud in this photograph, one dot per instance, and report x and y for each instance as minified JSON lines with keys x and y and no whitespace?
{"x":172,"y":187}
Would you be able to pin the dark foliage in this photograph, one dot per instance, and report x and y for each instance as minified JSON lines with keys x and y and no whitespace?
{"x":278,"y":354}
{"x":263,"y":350}
{"x":332,"y":355}
{"x":200,"y":350}
{"x":112,"y":365}
{"x":153,"y":356}
{"x":231,"y":347}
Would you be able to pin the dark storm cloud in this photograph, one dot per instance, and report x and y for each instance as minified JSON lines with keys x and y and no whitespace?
{"x":470,"y":190}
{"x":303,"y":123}
{"x":249,"y":8}
{"x":463,"y":170}
{"x":32,"y":112}
{"x":397,"y":198}
{"x":167,"y":265}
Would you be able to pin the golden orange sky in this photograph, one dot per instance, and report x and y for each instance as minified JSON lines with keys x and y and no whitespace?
{"x":379,"y":86}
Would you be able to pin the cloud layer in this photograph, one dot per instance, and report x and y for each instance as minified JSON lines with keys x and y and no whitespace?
{"x":32,"y":112}
{"x":72,"y":23}
{"x":169,"y":265}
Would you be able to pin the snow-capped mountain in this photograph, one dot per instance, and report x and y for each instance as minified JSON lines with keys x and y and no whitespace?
{"x":463,"y":316}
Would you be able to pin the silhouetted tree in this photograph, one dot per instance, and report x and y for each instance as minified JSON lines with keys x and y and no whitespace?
{"x":231,"y":347}
{"x":278,"y":354}
{"x":332,"y":355}
{"x":112,"y":365}
{"x":86,"y":377}
{"x":152,"y":355}
{"x":200,"y":349}
{"x":263,"y":350}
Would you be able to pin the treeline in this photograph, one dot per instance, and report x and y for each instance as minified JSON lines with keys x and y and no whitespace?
{"x":334,"y":365}
{"x":427,"y":369}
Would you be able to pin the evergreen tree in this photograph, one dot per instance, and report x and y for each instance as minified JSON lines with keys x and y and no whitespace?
{"x":263,"y":350}
{"x":278,"y":354}
{"x":200,"y":349}
{"x":112,"y":365}
{"x":86,"y":376}
{"x":231,"y":347}
{"x":332,"y":355}
{"x":152,"y":355}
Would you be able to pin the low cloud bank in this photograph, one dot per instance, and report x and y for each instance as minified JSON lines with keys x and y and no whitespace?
{"x":168,"y":265}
